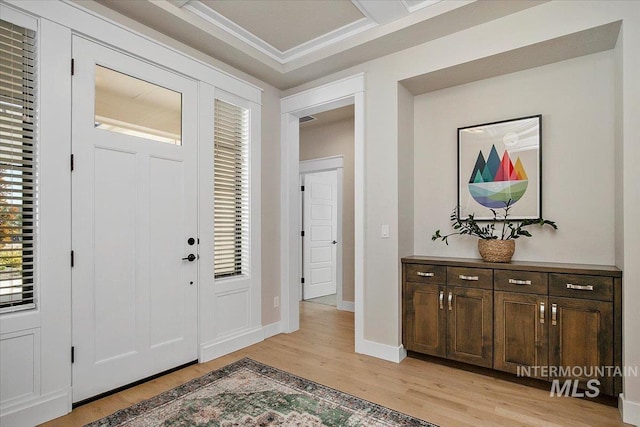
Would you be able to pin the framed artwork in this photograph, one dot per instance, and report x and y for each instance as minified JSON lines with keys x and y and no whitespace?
{"x":500,"y":163}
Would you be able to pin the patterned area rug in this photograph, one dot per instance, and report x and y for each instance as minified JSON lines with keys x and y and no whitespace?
{"x":248,"y":393}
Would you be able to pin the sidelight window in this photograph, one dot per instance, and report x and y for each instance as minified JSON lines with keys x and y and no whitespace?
{"x":231,"y":190}
{"x":18,"y":161}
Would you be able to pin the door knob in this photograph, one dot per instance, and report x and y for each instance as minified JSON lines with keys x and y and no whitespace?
{"x":190,"y":258}
{"x":334,"y":242}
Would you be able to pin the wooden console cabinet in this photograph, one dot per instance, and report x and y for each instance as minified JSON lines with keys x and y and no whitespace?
{"x":520,"y":314}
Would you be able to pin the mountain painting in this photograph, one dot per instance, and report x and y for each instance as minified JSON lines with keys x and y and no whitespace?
{"x":494,"y":182}
{"x":497,"y":163}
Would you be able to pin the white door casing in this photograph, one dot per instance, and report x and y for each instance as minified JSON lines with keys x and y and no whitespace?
{"x":320,"y":222}
{"x":350,"y":90}
{"x":134,"y":205}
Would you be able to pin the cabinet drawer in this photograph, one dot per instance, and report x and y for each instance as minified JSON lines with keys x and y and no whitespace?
{"x":521,"y":281}
{"x":470,"y":277}
{"x":581,"y":286}
{"x":424,"y":273}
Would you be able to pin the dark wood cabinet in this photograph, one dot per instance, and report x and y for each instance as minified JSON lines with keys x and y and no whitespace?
{"x":470,"y":325}
{"x":426,"y":319}
{"x":445,"y":320}
{"x":580,"y":335}
{"x":517,"y":315}
{"x":521,"y":331}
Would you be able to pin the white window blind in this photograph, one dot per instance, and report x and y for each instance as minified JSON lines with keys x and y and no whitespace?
{"x":231,"y":190}
{"x":17,"y":166}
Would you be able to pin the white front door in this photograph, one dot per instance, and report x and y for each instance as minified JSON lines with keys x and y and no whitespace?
{"x":320,"y":220}
{"x":134,"y":211}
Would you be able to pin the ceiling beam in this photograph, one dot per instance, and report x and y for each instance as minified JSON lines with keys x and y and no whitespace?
{"x":381,"y":11}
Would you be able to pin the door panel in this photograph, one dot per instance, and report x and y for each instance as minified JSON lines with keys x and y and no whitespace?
{"x":521,"y":331}
{"x":470,"y":325}
{"x":320,"y":221}
{"x":426,"y":319}
{"x":134,"y":202}
{"x":579,"y":336}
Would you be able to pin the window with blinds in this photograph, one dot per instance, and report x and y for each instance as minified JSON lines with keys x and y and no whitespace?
{"x":231,"y":190}
{"x":17,"y":166}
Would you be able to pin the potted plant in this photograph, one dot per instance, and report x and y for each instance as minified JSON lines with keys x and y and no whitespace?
{"x":497,"y":238}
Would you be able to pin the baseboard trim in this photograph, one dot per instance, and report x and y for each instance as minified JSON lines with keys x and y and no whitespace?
{"x":213,"y":350}
{"x":272,"y":329}
{"x":630,"y":411}
{"x":348,"y":306}
{"x":382,"y":351}
{"x":37,"y":411}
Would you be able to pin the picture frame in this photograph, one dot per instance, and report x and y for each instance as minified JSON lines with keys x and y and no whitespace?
{"x":500,"y":162}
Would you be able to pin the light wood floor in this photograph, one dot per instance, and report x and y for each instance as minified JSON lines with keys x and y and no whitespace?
{"x":322,"y":351}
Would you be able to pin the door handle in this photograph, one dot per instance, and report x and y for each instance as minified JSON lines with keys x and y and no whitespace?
{"x":541,"y":312}
{"x":449,"y":300}
{"x":554,"y":314}
{"x":190,"y":258}
{"x":441,"y":299}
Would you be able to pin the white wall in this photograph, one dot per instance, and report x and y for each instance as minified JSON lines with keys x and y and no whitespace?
{"x":406,"y":179}
{"x":334,"y":139}
{"x":575,"y":98}
{"x":538,"y":24}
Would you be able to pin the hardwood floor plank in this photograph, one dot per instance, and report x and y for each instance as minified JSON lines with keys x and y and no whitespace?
{"x":323,"y":351}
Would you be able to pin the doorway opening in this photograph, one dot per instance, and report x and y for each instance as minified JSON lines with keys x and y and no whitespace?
{"x":345,"y":92}
{"x":327,"y":208}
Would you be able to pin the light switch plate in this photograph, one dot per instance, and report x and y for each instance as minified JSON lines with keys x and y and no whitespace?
{"x":384,"y":231}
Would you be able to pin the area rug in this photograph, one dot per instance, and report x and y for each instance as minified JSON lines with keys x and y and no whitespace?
{"x":248,"y":393}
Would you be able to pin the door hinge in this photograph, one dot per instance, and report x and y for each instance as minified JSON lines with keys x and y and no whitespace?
{"x":302,"y":233}
{"x":302,"y":280}
{"x":72,"y":258}
{"x":73,"y":67}
{"x":302,"y":188}
{"x":73,"y":354}
{"x":72,"y":162}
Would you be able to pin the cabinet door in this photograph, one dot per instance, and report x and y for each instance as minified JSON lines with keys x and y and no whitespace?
{"x":521,"y":332}
{"x":470,"y":325}
{"x":425,"y":324}
{"x":581,"y":339}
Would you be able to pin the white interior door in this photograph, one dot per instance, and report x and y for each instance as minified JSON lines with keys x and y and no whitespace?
{"x":320,"y":223}
{"x":134,"y":207}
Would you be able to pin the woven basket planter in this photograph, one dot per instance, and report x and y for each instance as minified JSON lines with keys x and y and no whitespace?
{"x":495,"y":250}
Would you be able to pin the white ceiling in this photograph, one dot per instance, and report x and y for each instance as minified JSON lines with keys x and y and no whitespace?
{"x":290,"y":42}
{"x":282,"y":25}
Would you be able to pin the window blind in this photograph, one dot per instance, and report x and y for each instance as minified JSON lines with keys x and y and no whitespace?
{"x":17,"y":166}
{"x":231,"y":190}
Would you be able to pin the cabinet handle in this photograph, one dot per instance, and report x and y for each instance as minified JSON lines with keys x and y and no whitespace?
{"x":554,"y":314}
{"x":441,"y":299}
{"x":541,"y":312}
{"x":469,"y":278}
{"x":519,"y":282}
{"x":449,"y":300}
{"x":423,"y":274}
{"x":580,"y":287}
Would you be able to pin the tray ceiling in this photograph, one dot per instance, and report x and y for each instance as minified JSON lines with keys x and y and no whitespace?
{"x":289,"y":42}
